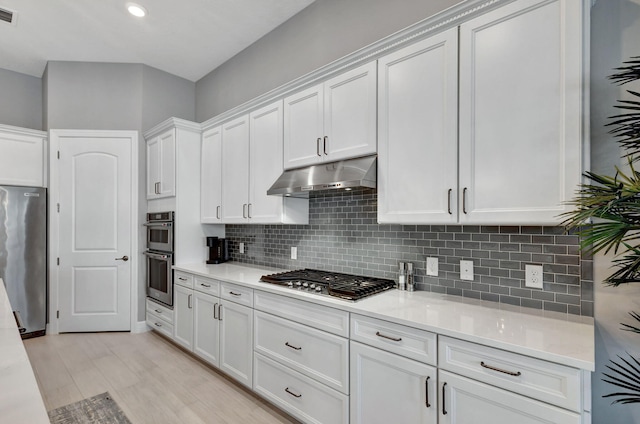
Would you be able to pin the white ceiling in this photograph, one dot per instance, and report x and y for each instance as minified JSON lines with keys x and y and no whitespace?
{"x":187,"y":38}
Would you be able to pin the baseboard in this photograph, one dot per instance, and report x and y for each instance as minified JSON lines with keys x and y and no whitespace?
{"x":140,"y":327}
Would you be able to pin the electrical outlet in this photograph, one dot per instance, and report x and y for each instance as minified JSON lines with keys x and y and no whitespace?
{"x":241,"y":247}
{"x":432,"y":267}
{"x":533,"y":276}
{"x":466,"y":270}
{"x":294,"y":252}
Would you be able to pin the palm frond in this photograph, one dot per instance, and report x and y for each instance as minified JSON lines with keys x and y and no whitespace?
{"x":624,"y":374}
{"x":628,"y":73}
{"x":629,"y":327}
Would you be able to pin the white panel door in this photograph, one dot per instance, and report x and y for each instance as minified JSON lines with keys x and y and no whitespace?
{"x":467,"y":401}
{"x":520,"y":112}
{"x":95,"y":191}
{"x":265,"y":163}
{"x":235,"y":170}
{"x":206,"y":327}
{"x":211,"y":177}
{"x":236,"y":341}
{"x":417,"y":132}
{"x":350,"y":114}
{"x":183,"y":316}
{"x":388,"y":388}
{"x":303,"y":127}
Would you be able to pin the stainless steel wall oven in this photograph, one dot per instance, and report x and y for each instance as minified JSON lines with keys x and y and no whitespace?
{"x":159,"y":256}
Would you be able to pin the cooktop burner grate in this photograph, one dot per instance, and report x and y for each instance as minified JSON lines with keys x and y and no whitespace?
{"x":344,"y":286}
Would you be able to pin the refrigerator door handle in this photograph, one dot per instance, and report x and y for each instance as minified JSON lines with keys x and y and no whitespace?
{"x":21,"y":328}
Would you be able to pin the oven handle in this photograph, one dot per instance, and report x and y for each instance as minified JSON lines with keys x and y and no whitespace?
{"x":156,"y":255}
{"x":158,"y":224}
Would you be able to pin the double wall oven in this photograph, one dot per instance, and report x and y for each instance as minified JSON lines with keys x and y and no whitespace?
{"x":159,"y":255}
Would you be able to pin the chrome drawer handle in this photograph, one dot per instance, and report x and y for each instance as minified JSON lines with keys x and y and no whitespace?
{"x":395,"y":339}
{"x":182,"y":279}
{"x":515,"y":374}
{"x":444,"y":392}
{"x":158,"y":311}
{"x":205,"y":285}
{"x":291,"y":346}
{"x":157,"y":325}
{"x":235,"y":294}
{"x":426,"y":386}
{"x":291,"y":393}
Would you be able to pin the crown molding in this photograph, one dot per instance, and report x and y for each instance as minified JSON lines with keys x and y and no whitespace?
{"x":170,"y":123}
{"x":22,"y":131}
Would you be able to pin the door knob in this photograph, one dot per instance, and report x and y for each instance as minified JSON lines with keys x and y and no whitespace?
{"x":124,"y":258}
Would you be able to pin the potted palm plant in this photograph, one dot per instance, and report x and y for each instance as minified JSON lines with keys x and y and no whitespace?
{"x":607,"y":217}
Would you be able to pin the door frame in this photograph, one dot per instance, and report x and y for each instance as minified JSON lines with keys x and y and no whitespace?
{"x":54,"y":221}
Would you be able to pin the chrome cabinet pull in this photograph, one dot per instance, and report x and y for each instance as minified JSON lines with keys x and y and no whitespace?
{"x":291,"y":346}
{"x":158,"y":311}
{"x":157,"y":325}
{"x":444,"y":411}
{"x":514,"y":374}
{"x":205,"y":285}
{"x":379,"y":334}
{"x":215,"y":305}
{"x":318,"y":146}
{"x":449,"y":201}
{"x":324,"y":145}
{"x":218,"y":212}
{"x":157,"y":187}
{"x":244,"y":210}
{"x":464,"y":200}
{"x":182,"y":279}
{"x":249,"y":210}
{"x":291,"y":393}
{"x":124,"y":258}
{"x":235,"y":294}
{"x":426,"y":387}
{"x":189,"y":301}
{"x":220,"y":312}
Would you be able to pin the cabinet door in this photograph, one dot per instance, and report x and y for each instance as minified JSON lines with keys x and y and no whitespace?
{"x":265,"y":163}
{"x":236,"y":341}
{"x":235,"y":169}
{"x":520,"y":112}
{"x":167,"y":186}
{"x":350,"y":114}
{"x":303,"y":128}
{"x":467,"y":401}
{"x":183,"y":316}
{"x":206,"y":333}
{"x":153,"y":168}
{"x":211,"y":177}
{"x":417,"y":132}
{"x":388,"y":388}
{"x":22,"y":160}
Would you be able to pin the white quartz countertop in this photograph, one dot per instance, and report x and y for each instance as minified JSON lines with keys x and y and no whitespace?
{"x":20,"y":399}
{"x":561,"y":338}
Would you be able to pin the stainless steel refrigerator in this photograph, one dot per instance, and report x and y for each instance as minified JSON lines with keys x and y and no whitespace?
{"x":23,"y":255}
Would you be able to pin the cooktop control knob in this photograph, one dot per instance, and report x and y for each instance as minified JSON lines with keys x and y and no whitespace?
{"x":318,"y":289}
{"x":290,"y":284}
{"x":312,"y":286}
{"x":305,"y":285}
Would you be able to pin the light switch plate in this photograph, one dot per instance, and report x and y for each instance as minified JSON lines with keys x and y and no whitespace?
{"x":294,"y":252}
{"x":533,"y":276}
{"x":466,"y":270}
{"x":241,"y":247}
{"x":432,"y":267}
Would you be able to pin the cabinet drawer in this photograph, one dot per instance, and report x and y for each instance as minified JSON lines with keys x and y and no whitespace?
{"x":160,"y":311}
{"x":160,"y":325}
{"x":321,"y":317}
{"x":535,"y":378}
{"x":297,"y":394}
{"x":237,"y":294}
{"x":183,"y":279}
{"x":207,"y":285}
{"x":314,"y":353}
{"x":406,"y":341}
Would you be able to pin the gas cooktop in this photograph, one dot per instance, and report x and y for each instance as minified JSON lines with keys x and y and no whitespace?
{"x":343,"y":286}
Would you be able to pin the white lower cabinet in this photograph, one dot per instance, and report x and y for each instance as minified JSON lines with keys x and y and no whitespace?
{"x":466,"y":401}
{"x":388,"y":388}
{"x":206,"y":327}
{"x":183,"y":316}
{"x":160,"y":318}
{"x":236,"y":341}
{"x":299,"y":395}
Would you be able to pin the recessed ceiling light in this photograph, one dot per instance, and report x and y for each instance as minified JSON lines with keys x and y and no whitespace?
{"x":136,"y":10}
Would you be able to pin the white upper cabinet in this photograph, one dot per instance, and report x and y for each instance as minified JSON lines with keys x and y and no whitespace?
{"x":211,"y":177}
{"x":520,"y":112}
{"x":161,"y":165}
{"x":22,"y":157}
{"x":417,"y":132}
{"x":235,"y":170}
{"x":332,"y":121}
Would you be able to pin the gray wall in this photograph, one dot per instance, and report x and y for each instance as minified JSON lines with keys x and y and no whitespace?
{"x":117,"y":96}
{"x":21,"y":100}
{"x":321,"y":33}
{"x":615,"y":31}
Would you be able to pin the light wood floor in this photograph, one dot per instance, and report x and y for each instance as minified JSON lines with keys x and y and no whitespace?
{"x":151,"y":380}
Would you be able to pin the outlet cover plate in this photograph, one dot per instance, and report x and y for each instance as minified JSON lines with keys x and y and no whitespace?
{"x":466,"y":270}
{"x":533,"y":276}
{"x":294,"y":252}
{"x":241,"y":247}
{"x":432,"y":266}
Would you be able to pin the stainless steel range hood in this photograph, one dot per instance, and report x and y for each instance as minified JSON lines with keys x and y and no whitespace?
{"x":350,"y":173}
